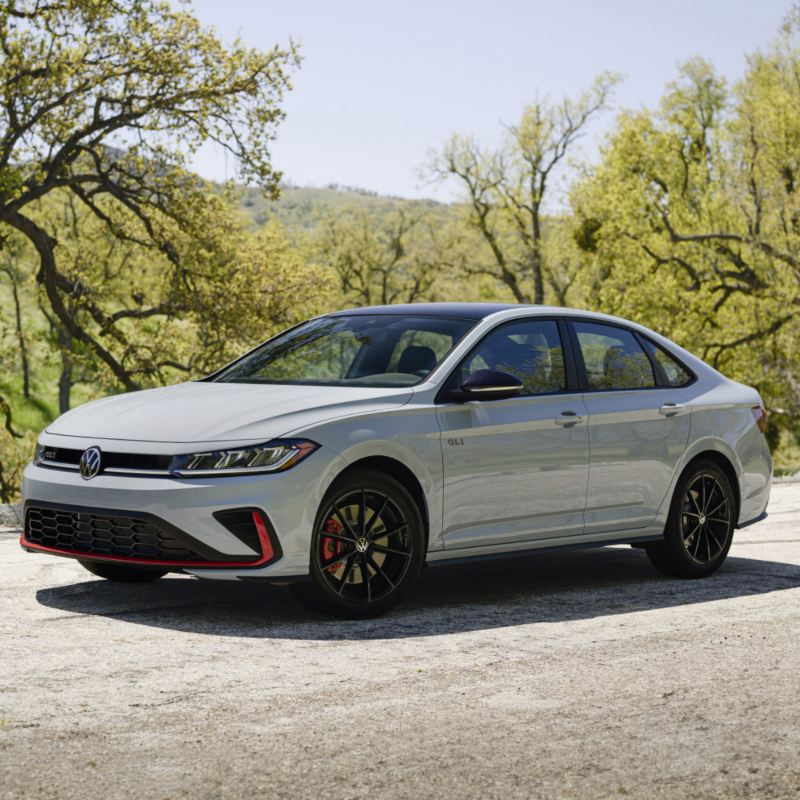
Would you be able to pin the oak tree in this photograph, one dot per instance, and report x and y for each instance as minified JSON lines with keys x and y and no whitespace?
{"x":103,"y":106}
{"x":691,"y":221}
{"x":506,"y":189}
{"x":398,"y":257}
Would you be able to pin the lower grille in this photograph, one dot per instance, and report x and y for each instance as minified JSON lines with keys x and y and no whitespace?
{"x":94,"y":534}
{"x":239,"y":521}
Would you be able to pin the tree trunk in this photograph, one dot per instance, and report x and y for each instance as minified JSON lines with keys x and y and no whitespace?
{"x":23,"y":345}
{"x":6,"y":487}
{"x":536,"y":270}
{"x":65,"y":378}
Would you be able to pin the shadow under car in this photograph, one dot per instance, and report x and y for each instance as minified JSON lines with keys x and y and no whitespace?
{"x":548,"y":586}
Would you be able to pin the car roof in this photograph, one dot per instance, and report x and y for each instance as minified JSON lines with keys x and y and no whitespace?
{"x":463,"y":310}
{"x":475,"y":311}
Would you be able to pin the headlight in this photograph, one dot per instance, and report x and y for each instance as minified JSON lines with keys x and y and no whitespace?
{"x":274,"y":456}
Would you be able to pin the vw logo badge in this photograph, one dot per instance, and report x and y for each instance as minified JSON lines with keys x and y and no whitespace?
{"x":90,"y":463}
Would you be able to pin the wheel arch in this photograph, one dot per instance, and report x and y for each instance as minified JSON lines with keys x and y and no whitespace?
{"x":726,"y":465}
{"x":402,"y":474}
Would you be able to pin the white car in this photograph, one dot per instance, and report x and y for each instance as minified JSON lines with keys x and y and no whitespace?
{"x":347,"y":452}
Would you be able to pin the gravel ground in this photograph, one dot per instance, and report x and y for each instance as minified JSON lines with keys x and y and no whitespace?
{"x":568,"y":674}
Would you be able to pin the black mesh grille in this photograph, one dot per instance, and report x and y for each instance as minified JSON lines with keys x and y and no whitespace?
{"x":98,"y":535}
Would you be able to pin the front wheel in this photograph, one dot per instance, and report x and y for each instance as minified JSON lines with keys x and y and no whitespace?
{"x":700,"y":526}
{"x":367,"y":548}
{"x":122,"y":573}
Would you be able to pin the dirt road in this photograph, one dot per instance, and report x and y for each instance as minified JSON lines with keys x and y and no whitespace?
{"x":566,"y":674}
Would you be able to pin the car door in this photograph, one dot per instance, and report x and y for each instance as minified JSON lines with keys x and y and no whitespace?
{"x":638,"y":429}
{"x":516,"y":469}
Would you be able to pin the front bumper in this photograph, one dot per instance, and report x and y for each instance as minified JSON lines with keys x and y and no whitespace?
{"x":289,"y":500}
{"x":139,"y":538}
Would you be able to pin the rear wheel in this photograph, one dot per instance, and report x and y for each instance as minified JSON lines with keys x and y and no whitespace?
{"x":366,"y":549}
{"x":122,"y":573}
{"x":699,"y":530}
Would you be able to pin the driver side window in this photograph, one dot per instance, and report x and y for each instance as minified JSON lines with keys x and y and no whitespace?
{"x":530,"y":350}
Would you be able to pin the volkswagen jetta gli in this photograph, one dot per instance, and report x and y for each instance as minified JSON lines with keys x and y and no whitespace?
{"x":347,"y":452}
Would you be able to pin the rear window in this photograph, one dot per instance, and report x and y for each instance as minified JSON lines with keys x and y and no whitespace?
{"x":613,"y":357}
{"x":672,"y":373}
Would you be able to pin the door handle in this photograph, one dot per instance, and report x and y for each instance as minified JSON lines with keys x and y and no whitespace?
{"x":568,"y":418}
{"x":670,"y":409}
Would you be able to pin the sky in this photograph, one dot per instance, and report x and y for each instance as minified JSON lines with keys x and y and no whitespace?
{"x":381,"y":84}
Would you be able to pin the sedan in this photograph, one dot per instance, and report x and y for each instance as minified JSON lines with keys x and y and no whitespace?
{"x":346,"y":453}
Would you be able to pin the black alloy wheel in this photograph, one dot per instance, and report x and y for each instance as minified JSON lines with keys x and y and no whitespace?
{"x":367,"y":547}
{"x":705,"y":518}
{"x":699,"y":530}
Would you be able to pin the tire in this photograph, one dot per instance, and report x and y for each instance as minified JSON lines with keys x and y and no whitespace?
{"x":121,"y":573}
{"x":700,"y":526}
{"x":367,"y":547}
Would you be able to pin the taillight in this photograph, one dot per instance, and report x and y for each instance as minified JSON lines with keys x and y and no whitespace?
{"x":760,"y":415}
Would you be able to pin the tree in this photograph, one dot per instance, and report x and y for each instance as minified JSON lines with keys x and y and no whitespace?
{"x":270,"y":282}
{"x":397,"y":257}
{"x":15,"y":450}
{"x":246,"y":284}
{"x":691,"y":222}
{"x":10,"y":268}
{"x":104,"y":104}
{"x":506,"y":190}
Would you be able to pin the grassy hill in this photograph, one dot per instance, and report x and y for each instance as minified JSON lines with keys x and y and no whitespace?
{"x":302,"y":207}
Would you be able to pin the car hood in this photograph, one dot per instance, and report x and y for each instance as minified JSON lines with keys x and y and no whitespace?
{"x":207,"y":412}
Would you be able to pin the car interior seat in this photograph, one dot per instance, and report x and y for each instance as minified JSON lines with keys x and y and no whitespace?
{"x":417,"y":360}
{"x":619,"y":371}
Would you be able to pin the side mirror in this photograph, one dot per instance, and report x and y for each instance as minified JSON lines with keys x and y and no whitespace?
{"x":488,"y":384}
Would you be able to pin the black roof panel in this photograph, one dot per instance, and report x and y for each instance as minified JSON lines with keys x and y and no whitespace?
{"x":462,"y":310}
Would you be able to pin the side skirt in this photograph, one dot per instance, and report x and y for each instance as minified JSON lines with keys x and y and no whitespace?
{"x":762,"y":515}
{"x":448,"y":558}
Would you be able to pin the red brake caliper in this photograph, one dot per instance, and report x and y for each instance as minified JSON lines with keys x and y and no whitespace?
{"x":331,"y":547}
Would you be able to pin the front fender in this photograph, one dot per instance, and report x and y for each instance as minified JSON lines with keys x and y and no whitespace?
{"x":409,"y":435}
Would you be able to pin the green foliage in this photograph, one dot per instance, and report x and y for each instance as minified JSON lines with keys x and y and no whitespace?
{"x":399,"y":257}
{"x":119,"y":268}
{"x":505,"y":191}
{"x":301,"y":209}
{"x":691,"y":221}
{"x":104,"y":103}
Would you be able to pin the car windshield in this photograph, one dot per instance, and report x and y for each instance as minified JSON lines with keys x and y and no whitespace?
{"x":358,"y":350}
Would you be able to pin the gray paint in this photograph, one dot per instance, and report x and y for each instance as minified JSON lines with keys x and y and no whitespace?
{"x":520,"y":480}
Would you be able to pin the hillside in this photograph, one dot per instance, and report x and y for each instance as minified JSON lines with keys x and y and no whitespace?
{"x":302,"y":207}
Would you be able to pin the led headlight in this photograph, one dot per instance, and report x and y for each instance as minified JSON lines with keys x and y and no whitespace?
{"x":274,"y":456}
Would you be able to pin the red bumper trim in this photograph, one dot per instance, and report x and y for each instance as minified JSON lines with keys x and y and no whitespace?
{"x":267,"y":554}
